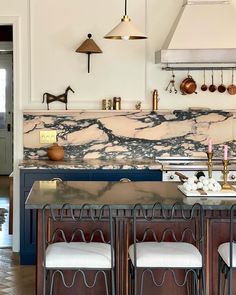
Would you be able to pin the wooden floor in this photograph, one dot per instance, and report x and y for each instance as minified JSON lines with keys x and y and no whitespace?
{"x":4,"y":185}
{"x":15,"y":279}
{"x":5,"y":238}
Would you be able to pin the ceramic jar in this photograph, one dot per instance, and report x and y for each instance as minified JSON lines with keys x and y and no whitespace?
{"x":55,"y":152}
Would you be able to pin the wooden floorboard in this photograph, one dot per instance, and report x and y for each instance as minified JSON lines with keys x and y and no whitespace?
{"x":5,"y":238}
{"x":15,"y":279}
{"x":4,"y":185}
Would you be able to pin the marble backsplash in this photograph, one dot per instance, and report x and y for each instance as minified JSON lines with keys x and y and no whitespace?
{"x":131,"y":134}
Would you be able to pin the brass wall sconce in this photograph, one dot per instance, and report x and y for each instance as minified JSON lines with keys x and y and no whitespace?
{"x":89,"y":47}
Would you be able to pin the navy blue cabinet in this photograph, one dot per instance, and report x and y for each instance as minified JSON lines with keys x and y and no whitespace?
{"x":27,"y":178}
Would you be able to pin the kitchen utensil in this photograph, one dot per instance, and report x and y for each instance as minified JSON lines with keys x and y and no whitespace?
{"x":171,"y":86}
{"x":204,"y":86}
{"x":222,"y":87}
{"x":232,"y":88}
{"x":188,"y":86}
{"x":212,"y":87}
{"x":55,"y":152}
{"x":182,"y":177}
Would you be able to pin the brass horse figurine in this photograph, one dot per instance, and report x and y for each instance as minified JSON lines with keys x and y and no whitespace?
{"x":62,"y":97}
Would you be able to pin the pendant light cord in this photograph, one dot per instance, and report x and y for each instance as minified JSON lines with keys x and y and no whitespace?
{"x":125,"y":7}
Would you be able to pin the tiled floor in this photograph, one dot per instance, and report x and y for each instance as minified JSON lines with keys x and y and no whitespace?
{"x":15,"y":279}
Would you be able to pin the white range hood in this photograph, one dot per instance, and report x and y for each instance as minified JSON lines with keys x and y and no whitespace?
{"x":204,"y":32}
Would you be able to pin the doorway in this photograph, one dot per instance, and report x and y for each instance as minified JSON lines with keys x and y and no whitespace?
{"x":6,"y":99}
{"x":6,"y":130}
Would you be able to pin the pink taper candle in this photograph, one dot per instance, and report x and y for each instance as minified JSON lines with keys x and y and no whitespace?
{"x":225,"y":152}
{"x":209,"y":145}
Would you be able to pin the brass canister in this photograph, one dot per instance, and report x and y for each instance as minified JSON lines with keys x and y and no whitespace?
{"x":117,"y":103}
{"x":155,"y":100}
{"x":109,"y":104}
{"x":104,"y":104}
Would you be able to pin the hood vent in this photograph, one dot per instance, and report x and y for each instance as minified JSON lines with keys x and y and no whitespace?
{"x":203,"y":32}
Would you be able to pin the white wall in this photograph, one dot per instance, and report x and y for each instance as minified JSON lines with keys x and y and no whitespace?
{"x":49,"y":33}
{"x":161,"y":14}
{"x":57,"y":33}
{"x":16,"y":12}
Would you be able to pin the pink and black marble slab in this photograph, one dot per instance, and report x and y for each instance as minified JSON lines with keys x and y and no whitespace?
{"x":131,"y":135}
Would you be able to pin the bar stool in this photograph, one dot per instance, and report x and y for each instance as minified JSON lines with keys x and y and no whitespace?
{"x":156,"y":247}
{"x":227,"y":258}
{"x":80,"y":250}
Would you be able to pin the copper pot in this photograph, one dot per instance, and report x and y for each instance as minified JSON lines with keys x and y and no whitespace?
{"x":55,"y":152}
{"x":212,"y":87}
{"x":204,"y":87}
{"x":232,"y":88}
{"x":188,"y":86}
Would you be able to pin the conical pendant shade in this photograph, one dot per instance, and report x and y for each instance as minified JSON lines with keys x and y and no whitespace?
{"x":125,"y":30}
{"x":89,"y":46}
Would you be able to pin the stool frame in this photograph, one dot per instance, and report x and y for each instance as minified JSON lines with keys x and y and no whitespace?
{"x":192,"y":276}
{"x":223,"y":269}
{"x":86,"y":213}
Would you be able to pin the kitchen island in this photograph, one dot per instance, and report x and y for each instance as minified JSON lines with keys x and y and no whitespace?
{"x":122,"y":197}
{"x":73,"y":170}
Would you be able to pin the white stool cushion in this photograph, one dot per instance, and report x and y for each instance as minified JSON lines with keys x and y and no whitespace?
{"x":224,"y":252}
{"x":78,"y":255}
{"x":166,"y":254}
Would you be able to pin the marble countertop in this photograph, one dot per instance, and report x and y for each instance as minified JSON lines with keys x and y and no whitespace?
{"x":117,"y":194}
{"x":200,"y":164}
{"x":196,"y":166}
{"x":91,"y":164}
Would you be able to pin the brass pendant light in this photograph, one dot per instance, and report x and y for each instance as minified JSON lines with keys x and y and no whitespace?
{"x":125,"y":30}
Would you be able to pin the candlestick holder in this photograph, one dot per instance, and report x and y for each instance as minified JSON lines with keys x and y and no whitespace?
{"x":225,"y":184}
{"x":209,"y":163}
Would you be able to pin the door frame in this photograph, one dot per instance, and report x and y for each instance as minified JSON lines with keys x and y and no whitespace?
{"x":7,"y":63}
{"x":15,"y":21}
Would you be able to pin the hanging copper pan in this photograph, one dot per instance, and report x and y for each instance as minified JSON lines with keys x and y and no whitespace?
{"x":232,"y":88}
{"x":188,"y":86}
{"x":204,"y":87}
{"x":222,"y":88}
{"x":212,"y":88}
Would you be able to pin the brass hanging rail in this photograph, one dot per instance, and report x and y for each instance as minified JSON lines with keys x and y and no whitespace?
{"x":167,"y":68}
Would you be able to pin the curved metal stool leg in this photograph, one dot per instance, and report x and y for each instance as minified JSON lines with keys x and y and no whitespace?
{"x":106,"y":284}
{"x":220,"y":271}
{"x":141,"y":286}
{"x":195,"y":283}
{"x":203,"y":282}
{"x":113,"y":292}
{"x":230,"y":278}
{"x":135,"y":281}
{"x":225,"y":274}
{"x":193,"y":289}
{"x":188,"y":283}
{"x":52,"y":282}
{"x":187,"y":286}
